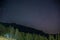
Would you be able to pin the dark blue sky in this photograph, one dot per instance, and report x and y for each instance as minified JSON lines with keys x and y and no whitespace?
{"x":39,"y":14}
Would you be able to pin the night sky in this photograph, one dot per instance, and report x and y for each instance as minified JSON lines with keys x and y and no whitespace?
{"x":38,"y":14}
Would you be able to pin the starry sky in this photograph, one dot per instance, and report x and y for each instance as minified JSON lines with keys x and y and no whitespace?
{"x":38,"y":14}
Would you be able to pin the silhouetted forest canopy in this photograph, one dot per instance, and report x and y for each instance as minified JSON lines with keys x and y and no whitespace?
{"x":21,"y":32}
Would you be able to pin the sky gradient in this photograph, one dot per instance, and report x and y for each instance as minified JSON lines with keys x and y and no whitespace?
{"x":38,"y":14}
